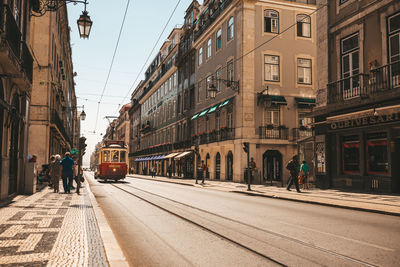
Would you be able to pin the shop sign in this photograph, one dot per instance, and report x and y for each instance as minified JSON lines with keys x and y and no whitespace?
{"x":365,"y":121}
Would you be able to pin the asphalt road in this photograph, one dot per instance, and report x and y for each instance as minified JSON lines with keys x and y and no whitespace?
{"x":163,"y":224}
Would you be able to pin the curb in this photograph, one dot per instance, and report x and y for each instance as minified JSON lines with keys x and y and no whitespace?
{"x":319,"y":203}
{"x":112,"y":249}
{"x":285,"y":198}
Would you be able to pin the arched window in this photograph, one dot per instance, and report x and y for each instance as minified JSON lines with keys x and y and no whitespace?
{"x":271,"y":21}
{"x":230,"y":29}
{"x":303,"y":25}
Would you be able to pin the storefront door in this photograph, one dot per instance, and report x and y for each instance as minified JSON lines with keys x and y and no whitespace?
{"x":395,"y":166}
{"x":272,"y":166}
{"x":217,"y":166}
{"x":229,"y":166}
{"x":14,"y":148}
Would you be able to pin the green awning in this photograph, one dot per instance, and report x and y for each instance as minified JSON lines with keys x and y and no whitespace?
{"x":195,"y":116}
{"x":225,"y":103}
{"x":213,"y":109}
{"x":277,"y":99}
{"x":203,"y":113}
{"x":307,"y":102}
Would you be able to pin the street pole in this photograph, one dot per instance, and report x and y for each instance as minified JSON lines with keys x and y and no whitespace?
{"x":248,"y":168}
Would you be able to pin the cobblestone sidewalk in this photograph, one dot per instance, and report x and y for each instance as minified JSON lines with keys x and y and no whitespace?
{"x":50,"y":229}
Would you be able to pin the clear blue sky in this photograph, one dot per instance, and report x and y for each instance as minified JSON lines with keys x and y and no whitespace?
{"x":92,"y":57}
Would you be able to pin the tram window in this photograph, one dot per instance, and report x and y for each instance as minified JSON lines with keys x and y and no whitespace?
{"x":106,"y":156}
{"x":122,"y":156}
{"x":114,"y":156}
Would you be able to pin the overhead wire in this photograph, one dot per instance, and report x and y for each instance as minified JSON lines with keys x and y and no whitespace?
{"x":112,"y":63}
{"x":258,"y":46}
{"x":151,"y":52}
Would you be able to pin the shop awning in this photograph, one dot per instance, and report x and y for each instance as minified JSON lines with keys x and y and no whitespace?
{"x":305,"y":102}
{"x":183,"y":154}
{"x":277,"y":99}
{"x":225,"y":103}
{"x":171,"y":155}
{"x":203,"y":113}
{"x":138,"y":159}
{"x":195,"y":116}
{"x":211,"y":110}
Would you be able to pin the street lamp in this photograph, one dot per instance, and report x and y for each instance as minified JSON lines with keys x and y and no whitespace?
{"x":265,"y":97}
{"x":212,"y":89}
{"x":84,"y":23}
{"x":82,"y":115}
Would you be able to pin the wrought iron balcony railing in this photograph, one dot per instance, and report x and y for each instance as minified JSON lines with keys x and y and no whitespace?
{"x":56,"y":120}
{"x":348,"y":88}
{"x":385,"y":78}
{"x":273,"y":132}
{"x":27,"y":61}
{"x":302,"y":132}
{"x":11,"y":29}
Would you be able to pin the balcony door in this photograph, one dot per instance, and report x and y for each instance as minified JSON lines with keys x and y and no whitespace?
{"x":350,"y":59}
{"x":394,"y":49}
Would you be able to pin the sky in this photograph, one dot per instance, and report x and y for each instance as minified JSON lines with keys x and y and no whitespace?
{"x":92,"y":57}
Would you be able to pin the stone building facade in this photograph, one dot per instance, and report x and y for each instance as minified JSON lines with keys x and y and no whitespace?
{"x":16,"y":74}
{"x":215,"y":46}
{"x":357,"y":120}
{"x":53,"y":113}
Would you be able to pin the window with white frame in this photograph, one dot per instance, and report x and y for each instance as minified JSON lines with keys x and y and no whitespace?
{"x":350,"y":55}
{"x":218,"y":39}
{"x":303,"y":26}
{"x":229,"y":70}
{"x":231,"y":28}
{"x":200,"y":56}
{"x":394,"y":48}
{"x":218,"y":75}
{"x":304,"y":71}
{"x":271,"y":117}
{"x":271,"y":68}
{"x":271,"y":21}
{"x":208,"y":82}
{"x":209,"y":48}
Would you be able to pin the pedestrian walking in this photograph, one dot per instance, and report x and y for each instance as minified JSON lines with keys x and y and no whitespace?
{"x":76,"y":174}
{"x":252,"y":169}
{"x":153,"y":171}
{"x":67,"y":172}
{"x":55,"y":173}
{"x":304,"y":172}
{"x":204,"y":171}
{"x":170,"y":171}
{"x":293,"y":167}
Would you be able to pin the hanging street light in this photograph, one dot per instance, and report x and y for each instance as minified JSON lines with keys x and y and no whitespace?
{"x":212,"y":89}
{"x":84,"y":22}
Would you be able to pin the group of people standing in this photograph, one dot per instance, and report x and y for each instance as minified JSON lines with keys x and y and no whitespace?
{"x":67,"y":170}
{"x":298,"y":173}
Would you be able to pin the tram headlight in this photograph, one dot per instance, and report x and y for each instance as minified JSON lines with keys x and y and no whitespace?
{"x":114,"y":170}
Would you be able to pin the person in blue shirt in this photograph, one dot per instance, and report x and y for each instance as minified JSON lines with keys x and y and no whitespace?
{"x":66,"y":172}
{"x":305,"y":171}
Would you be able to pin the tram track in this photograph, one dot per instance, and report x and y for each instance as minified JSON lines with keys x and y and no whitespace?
{"x":264,"y":243}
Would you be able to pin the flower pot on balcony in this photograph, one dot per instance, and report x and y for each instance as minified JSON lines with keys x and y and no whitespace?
{"x":270,"y":127}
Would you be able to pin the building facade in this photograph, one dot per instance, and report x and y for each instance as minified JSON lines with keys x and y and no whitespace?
{"x":16,"y":74}
{"x":53,"y":113}
{"x":260,"y":57}
{"x":357,"y":121}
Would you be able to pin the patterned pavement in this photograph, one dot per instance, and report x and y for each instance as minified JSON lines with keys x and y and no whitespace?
{"x":50,"y":229}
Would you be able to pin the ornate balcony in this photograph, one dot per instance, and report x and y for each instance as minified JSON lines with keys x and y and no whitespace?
{"x":56,"y":120}
{"x":273,"y":132}
{"x":301,"y":133}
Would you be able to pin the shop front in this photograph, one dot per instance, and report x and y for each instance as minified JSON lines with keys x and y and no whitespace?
{"x":360,"y":151}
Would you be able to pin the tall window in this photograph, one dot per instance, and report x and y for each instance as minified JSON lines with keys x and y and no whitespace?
{"x":271,"y":117}
{"x":271,"y":68}
{"x":271,"y":21}
{"x":218,"y":39}
{"x":303,"y":25}
{"x":351,"y":154}
{"x":350,"y":54}
{"x":200,"y":56}
{"x":208,"y":82}
{"x":304,"y":71}
{"x":229,"y":71}
{"x":199,"y":90}
{"x":394,"y":48}
{"x":209,"y":48}
{"x":218,"y":75}
{"x":230,"y":29}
